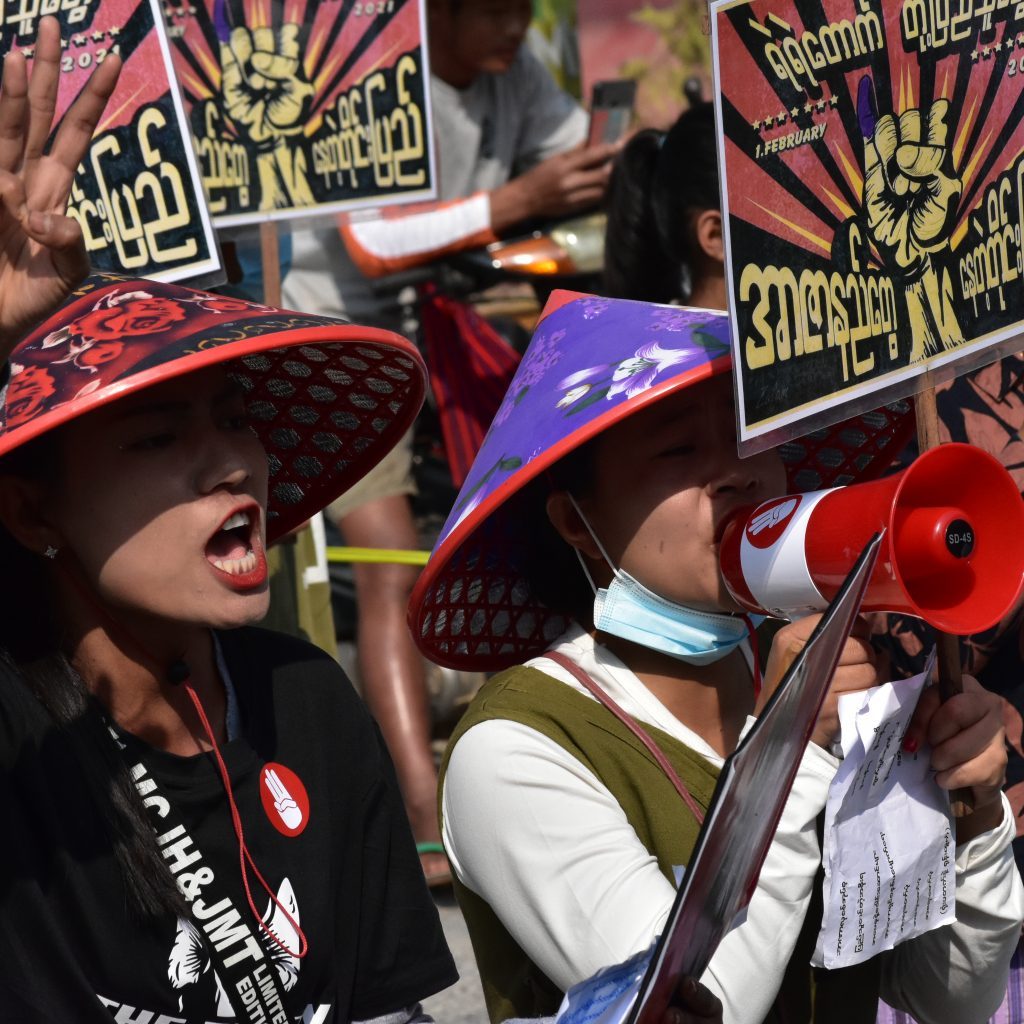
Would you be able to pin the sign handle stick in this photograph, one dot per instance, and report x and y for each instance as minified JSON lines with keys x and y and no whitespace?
{"x":270,"y":258}
{"x":948,"y":648}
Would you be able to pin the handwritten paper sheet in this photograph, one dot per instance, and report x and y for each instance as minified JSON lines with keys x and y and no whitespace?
{"x":889,"y":847}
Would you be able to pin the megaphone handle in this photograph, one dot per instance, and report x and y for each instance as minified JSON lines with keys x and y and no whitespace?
{"x":951,"y":680}
{"x":961,"y":801}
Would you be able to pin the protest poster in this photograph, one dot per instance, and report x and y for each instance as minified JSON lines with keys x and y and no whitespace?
{"x":302,"y":107}
{"x":872,"y":160}
{"x":137,"y":195}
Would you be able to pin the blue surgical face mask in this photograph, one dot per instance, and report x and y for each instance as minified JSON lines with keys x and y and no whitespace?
{"x":629,"y":610}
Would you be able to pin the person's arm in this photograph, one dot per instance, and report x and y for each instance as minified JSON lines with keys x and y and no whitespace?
{"x":405,"y":237}
{"x":959,"y":972}
{"x":534,"y":833}
{"x":42,"y":253}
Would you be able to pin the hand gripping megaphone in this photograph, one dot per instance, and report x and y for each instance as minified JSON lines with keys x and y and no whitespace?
{"x":953,"y":552}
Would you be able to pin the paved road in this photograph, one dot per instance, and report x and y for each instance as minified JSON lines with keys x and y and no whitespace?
{"x":463,"y":1003}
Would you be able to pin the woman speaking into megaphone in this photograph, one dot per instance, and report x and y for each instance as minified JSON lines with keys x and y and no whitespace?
{"x":582,"y":556}
{"x":583,"y":552}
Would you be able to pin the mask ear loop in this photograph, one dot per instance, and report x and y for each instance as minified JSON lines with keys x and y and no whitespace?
{"x":755,"y":654}
{"x":597,"y":540}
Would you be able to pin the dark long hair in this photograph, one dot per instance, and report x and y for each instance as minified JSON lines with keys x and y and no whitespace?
{"x":548,"y":561}
{"x":30,"y":636}
{"x":661,"y":180}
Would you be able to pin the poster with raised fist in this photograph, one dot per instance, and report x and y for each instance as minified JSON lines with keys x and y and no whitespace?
{"x":300,"y":107}
{"x":872,"y":159}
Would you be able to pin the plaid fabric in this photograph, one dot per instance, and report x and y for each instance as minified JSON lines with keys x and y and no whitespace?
{"x":1010,"y":1012}
{"x":471,"y":366}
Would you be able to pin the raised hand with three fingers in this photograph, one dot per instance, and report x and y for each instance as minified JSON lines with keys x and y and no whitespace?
{"x":42,"y":253}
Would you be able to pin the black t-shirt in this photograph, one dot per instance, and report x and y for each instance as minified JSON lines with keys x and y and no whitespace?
{"x":334,"y":846}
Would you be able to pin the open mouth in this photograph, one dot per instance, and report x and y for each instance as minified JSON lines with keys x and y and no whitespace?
{"x":236,"y":549}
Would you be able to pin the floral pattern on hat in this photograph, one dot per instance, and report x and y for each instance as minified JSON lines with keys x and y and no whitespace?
{"x":27,"y":392}
{"x":541,"y":356}
{"x":104,"y":340}
{"x":634,"y":375}
{"x":120,"y":315}
{"x":540,"y":406}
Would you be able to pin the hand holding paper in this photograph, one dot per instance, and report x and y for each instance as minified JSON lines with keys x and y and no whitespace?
{"x":888,"y":848}
{"x":857,"y":670}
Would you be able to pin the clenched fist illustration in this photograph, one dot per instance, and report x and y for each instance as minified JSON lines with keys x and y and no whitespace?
{"x":266,"y":92}
{"x":911,"y":201}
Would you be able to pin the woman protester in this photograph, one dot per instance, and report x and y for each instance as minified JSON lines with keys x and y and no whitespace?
{"x":582,"y":557}
{"x":665,"y":244}
{"x":202,"y":823}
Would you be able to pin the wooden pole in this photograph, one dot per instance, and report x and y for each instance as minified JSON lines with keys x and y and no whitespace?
{"x":270,"y":258}
{"x":948,"y":647}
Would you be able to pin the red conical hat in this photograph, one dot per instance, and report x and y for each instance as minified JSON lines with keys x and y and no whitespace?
{"x":328,"y":399}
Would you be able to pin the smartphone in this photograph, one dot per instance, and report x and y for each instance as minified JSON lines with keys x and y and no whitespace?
{"x":611,"y":110}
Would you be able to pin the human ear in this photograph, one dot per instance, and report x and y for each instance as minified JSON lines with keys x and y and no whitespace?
{"x":709,"y":235}
{"x":21,"y":514}
{"x":570,"y":527}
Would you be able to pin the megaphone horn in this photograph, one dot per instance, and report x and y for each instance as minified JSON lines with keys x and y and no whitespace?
{"x":953,"y":553}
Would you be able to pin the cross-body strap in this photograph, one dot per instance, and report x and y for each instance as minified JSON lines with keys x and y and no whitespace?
{"x":592,"y":687}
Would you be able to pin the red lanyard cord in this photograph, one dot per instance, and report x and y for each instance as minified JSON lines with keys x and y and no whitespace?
{"x":243,"y":850}
{"x":178,"y":673}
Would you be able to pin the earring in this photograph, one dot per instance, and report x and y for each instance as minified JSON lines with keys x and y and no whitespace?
{"x":50,"y":552}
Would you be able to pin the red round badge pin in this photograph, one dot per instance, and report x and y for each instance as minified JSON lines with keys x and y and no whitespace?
{"x":284,"y":799}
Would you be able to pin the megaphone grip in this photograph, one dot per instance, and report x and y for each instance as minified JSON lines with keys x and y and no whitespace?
{"x":961,"y":801}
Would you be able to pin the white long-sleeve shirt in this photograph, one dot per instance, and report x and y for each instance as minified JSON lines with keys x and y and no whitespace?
{"x":536,"y":834}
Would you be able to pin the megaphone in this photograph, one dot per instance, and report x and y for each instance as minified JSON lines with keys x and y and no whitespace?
{"x":953,"y":552}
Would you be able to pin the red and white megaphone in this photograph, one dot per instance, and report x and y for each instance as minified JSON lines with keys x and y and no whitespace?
{"x":953,"y":552}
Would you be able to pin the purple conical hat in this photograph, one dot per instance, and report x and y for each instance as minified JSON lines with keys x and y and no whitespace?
{"x":327,"y":399}
{"x":592,"y":362}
